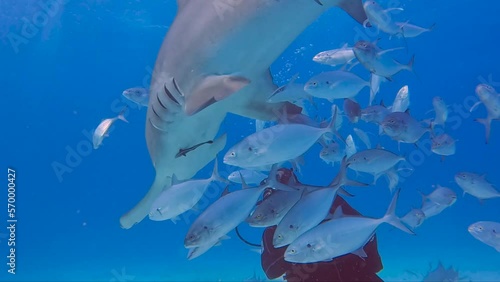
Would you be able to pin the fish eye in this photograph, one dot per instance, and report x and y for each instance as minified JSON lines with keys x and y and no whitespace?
{"x":233,"y":154}
{"x":273,"y":211}
{"x":327,"y":82}
{"x":250,"y":149}
{"x":259,"y":216}
{"x":280,"y":236}
{"x":292,"y":251}
{"x":291,"y":226}
{"x":205,"y":227}
{"x":315,"y":83}
{"x":365,"y":158}
{"x":308,"y":245}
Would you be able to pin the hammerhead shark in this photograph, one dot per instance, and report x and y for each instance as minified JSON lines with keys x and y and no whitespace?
{"x":215,"y":59}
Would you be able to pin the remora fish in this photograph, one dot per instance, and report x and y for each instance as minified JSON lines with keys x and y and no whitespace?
{"x":192,"y":71}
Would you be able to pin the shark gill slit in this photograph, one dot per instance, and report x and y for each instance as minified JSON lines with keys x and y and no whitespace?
{"x":174,"y":82}
{"x":167,"y":92}
{"x":159,"y":101}
{"x":154,"y":125}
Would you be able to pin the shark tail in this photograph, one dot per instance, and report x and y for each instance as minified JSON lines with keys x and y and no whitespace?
{"x":141,"y":210}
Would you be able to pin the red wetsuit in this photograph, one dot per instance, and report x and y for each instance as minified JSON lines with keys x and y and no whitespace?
{"x":345,"y":268}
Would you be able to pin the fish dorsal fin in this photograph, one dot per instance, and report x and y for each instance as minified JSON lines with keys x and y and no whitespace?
{"x":408,"y":111}
{"x":360,"y":253}
{"x":225,"y":192}
{"x":389,"y":50}
{"x":244,"y":185}
{"x":175,"y":180}
{"x":382,"y":103}
{"x":338,"y":213}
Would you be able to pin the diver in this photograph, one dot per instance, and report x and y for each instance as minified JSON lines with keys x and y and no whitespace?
{"x":345,"y":268}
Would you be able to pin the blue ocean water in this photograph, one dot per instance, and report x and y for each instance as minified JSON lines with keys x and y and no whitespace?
{"x":61,"y":78}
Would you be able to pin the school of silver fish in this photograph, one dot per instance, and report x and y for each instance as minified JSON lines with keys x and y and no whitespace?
{"x":193,"y":89}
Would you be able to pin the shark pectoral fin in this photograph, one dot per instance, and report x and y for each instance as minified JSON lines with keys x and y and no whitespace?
{"x":213,"y":89}
{"x":355,"y":9}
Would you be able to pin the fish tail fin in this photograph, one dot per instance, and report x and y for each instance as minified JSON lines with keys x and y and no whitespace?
{"x":331,"y":126}
{"x":432,"y":27}
{"x":391,"y":218}
{"x":487,"y":125}
{"x":122,"y":118}
{"x":215,"y":173}
{"x":393,"y":178}
{"x":342,"y":179}
{"x":121,"y":114}
{"x":411,"y":63}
